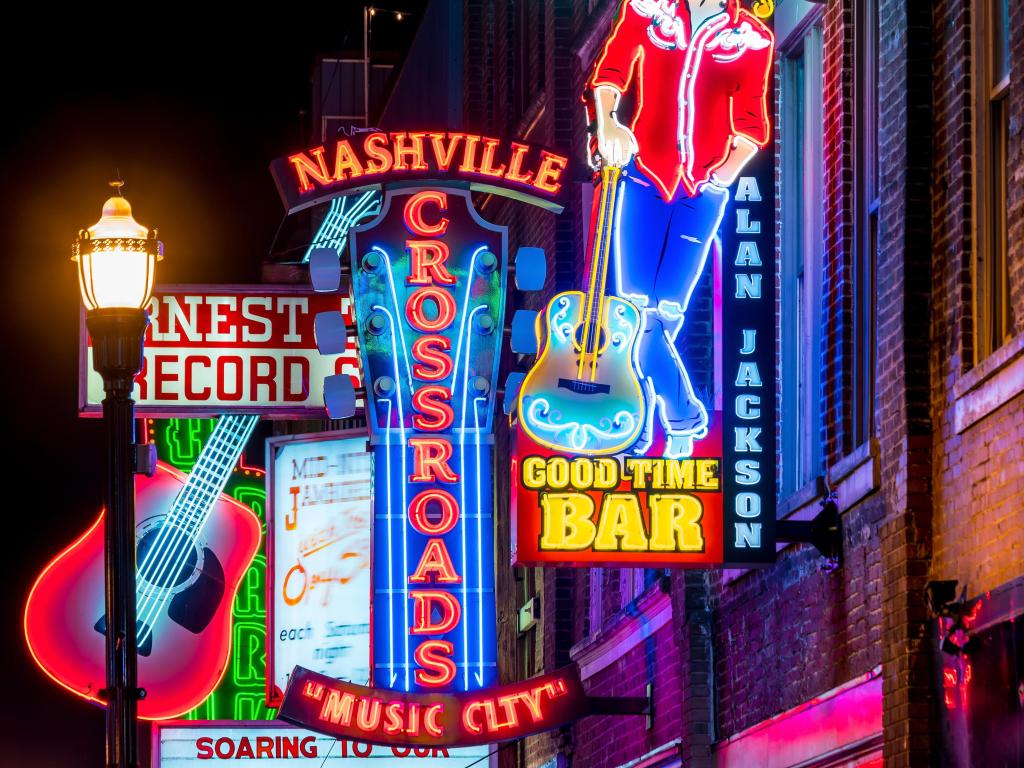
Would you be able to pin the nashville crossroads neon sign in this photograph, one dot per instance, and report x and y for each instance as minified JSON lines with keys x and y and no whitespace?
{"x":429,"y":287}
{"x":374,"y":716}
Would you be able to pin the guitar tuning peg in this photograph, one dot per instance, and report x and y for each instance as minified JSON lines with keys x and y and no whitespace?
{"x":524,"y":332}
{"x":330,"y":333}
{"x":512,"y":385}
{"x":339,"y":396}
{"x":531,"y":268}
{"x":324,"y":270}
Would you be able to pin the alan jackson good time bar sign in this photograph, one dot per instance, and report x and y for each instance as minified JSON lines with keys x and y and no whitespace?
{"x":211,"y":350}
{"x":646,"y":425}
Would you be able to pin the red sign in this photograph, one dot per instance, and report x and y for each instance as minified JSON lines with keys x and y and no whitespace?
{"x":514,"y":168}
{"x":211,"y":350}
{"x":380,"y":716}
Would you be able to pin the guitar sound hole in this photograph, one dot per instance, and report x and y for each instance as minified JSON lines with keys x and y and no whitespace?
{"x":171,"y":566}
{"x":602,"y":339}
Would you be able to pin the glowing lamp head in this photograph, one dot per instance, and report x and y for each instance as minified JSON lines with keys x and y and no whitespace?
{"x":116,"y":256}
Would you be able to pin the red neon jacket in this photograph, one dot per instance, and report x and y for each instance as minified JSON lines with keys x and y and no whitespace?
{"x":695,"y":96}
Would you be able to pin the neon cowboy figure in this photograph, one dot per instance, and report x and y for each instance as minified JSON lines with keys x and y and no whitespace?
{"x":701,"y":69}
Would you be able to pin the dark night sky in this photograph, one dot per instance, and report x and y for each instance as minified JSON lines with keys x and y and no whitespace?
{"x":191,"y":111}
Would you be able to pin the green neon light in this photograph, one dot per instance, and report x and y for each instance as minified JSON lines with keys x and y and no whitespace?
{"x":241,"y":694}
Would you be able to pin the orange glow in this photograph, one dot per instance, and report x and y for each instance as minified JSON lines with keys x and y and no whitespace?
{"x":411,"y":151}
{"x":436,"y":669}
{"x":515,"y":165}
{"x":431,"y":362}
{"x":442,"y":154}
{"x":346,"y":164}
{"x":430,"y":461}
{"x":468,"y":154}
{"x":306,"y":168}
{"x":549,"y":172}
{"x":487,"y":162}
{"x":424,"y":600}
{"x":434,"y":413}
{"x":376,"y":150}
{"x":430,"y":717}
{"x":427,"y":259}
{"x":449,"y":509}
{"x":435,"y":560}
{"x":413,"y":213}
{"x":442,"y":300}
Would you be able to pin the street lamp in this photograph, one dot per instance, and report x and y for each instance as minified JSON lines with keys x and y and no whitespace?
{"x":116,"y":257}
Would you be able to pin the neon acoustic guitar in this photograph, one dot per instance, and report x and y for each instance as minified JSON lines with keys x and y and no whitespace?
{"x":583,"y":395}
{"x":193,"y":545}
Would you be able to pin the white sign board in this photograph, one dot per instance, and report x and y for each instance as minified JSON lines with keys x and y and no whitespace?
{"x":181,"y":744}
{"x":318,"y":557}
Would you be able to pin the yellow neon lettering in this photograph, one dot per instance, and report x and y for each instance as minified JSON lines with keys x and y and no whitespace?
{"x":566,"y":521}
{"x":675,"y":522}
{"x":621,"y":527}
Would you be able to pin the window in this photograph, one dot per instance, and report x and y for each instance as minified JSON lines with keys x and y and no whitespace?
{"x":993,"y":320}
{"x":865,"y":210}
{"x":802,"y":246}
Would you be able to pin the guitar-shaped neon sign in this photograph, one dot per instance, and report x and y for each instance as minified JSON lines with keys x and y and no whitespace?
{"x":193,"y":545}
{"x":583,"y":394}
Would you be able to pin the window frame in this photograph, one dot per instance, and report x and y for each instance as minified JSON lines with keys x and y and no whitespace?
{"x":992,"y":323}
{"x":802,"y":252}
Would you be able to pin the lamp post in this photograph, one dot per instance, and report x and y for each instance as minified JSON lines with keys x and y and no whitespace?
{"x":116,"y":256}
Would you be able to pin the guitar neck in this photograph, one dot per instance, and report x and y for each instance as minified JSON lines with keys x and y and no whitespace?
{"x":212,"y":469}
{"x":594,"y":301}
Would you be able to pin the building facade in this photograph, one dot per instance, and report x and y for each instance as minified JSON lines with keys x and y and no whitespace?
{"x":900,"y":303}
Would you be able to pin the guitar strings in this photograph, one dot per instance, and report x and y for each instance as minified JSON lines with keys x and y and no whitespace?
{"x":194,"y":504}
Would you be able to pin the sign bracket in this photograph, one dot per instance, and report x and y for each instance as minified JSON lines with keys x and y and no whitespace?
{"x":824,"y":532}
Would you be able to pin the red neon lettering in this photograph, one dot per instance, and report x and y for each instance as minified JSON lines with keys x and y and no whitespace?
{"x":414,"y":720}
{"x":443,"y":155}
{"x":427,"y":262}
{"x":244,"y":750}
{"x":308,"y":746}
{"x":435,"y":560}
{"x":431,"y":362}
{"x":346,"y":164}
{"x":305,"y":168}
{"x":430,"y":718}
{"x":515,"y":164}
{"x":434,"y":412}
{"x":550,"y":171}
{"x":413,"y":213}
{"x":468,"y":154}
{"x":375,"y":148}
{"x":436,"y":668}
{"x":430,"y":460}
{"x":424,"y":601}
{"x":468,"y":717}
{"x":164,"y":376}
{"x":443,"y":316}
{"x":487,"y":161}
{"x":190,"y":392}
{"x":368,"y":713}
{"x":413,"y":151}
{"x":222,"y":379}
{"x":393,"y":717}
{"x":448,"y":507}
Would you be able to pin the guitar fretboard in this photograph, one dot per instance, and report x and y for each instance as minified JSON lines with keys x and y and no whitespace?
{"x":594,"y":303}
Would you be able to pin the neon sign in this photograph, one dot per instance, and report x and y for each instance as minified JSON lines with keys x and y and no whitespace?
{"x":211,"y":350}
{"x":376,"y":157}
{"x":429,"y":288}
{"x":318,"y":552}
{"x":379,"y":716}
{"x":646,"y":425}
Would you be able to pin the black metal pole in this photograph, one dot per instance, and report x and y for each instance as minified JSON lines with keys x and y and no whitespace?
{"x":117,"y":356}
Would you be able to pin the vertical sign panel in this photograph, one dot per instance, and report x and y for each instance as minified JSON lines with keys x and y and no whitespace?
{"x":319,"y":555}
{"x":429,"y":288}
{"x":646,"y":424}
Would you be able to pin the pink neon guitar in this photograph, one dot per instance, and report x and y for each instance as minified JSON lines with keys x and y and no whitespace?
{"x":193,"y":546}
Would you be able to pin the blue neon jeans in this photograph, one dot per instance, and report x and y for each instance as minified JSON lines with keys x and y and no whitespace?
{"x":660,"y":250}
